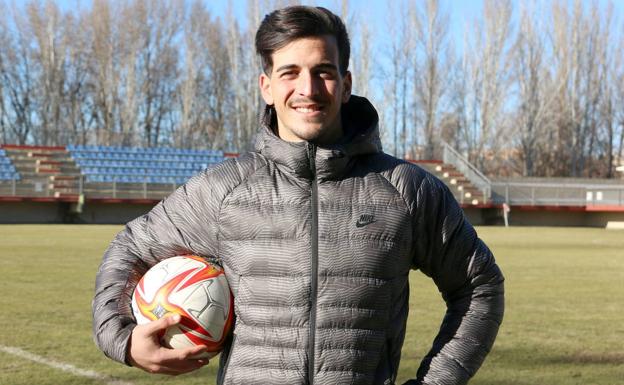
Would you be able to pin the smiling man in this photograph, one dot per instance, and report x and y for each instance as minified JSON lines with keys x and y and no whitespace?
{"x":317,"y":230}
{"x":307,"y":88}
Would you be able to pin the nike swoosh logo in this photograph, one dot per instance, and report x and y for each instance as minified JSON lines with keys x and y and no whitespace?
{"x":363,"y":223}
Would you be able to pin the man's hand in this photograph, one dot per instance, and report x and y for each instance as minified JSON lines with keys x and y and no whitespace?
{"x":145,"y":351}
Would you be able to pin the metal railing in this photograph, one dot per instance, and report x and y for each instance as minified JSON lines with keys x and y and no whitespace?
{"x":498,"y":192}
{"x":557,"y":194}
{"x":476,"y":177}
{"x":44,"y":187}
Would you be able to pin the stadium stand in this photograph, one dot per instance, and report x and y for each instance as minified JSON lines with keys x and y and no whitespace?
{"x":37,"y":167}
{"x":106,"y":184}
{"x":104,"y":164}
{"x":92,"y":184}
{"x":98,"y":172}
{"x":7,"y":168}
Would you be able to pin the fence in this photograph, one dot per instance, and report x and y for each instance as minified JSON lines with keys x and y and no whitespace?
{"x":510,"y":192}
{"x":45,"y":188}
{"x":557,"y":194}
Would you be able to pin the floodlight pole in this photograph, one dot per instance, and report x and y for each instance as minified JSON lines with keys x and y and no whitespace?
{"x":620,"y":169}
{"x":507,"y":193}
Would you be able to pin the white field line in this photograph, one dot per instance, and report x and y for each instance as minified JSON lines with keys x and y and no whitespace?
{"x":62,"y":366}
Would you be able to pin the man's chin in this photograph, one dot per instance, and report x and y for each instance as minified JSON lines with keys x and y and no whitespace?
{"x":314,"y":131}
{"x":311,"y":136}
{"x":322,"y":135}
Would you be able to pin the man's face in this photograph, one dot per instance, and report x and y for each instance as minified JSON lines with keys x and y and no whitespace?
{"x":307,"y":90}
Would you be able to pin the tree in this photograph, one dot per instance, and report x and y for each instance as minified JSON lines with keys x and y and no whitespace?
{"x":536,"y":90}
{"x":75,"y":125}
{"x":157,"y":23}
{"x":484,"y":82}
{"x":205,"y":88}
{"x":616,"y":83}
{"x":18,"y":78}
{"x":430,"y":68}
{"x":494,"y":79}
{"x":396,"y":88}
{"x":578,"y":46}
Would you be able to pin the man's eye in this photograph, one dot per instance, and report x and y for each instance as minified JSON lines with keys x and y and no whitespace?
{"x":288,"y":75}
{"x":326,"y":75}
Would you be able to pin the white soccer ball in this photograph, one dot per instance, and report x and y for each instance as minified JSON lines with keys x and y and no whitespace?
{"x":198,"y":291}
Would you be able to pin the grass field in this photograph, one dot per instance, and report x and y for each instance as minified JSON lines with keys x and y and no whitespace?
{"x":564,"y":322}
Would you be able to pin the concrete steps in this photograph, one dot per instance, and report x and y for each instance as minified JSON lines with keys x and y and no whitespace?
{"x":461,"y":187}
{"x":49,"y":171}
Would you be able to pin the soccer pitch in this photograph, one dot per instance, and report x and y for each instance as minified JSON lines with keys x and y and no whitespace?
{"x":564,"y":321}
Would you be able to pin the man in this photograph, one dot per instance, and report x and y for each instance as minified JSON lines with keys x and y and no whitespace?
{"x":317,"y":230}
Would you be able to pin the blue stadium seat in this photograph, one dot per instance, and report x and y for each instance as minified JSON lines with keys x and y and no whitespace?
{"x":7,"y":168}
{"x":136,"y":164}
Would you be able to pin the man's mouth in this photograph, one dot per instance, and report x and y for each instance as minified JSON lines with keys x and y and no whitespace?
{"x":309,"y":108}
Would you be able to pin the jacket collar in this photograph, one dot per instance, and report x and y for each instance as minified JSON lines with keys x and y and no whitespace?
{"x":361,"y":126}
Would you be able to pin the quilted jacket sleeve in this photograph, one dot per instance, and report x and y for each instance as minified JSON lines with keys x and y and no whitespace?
{"x":465,"y":272}
{"x":180,"y":224}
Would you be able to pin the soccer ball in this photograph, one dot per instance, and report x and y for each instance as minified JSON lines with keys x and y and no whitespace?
{"x":198,"y":291}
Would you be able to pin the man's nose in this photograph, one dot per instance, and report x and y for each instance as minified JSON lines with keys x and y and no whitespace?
{"x":308,"y":84}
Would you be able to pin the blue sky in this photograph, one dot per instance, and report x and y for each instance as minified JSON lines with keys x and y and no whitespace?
{"x":461,"y":11}
{"x":374,"y":11}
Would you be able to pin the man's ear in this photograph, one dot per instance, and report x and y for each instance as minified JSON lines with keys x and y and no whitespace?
{"x":265,"y":88}
{"x":346,"y":89}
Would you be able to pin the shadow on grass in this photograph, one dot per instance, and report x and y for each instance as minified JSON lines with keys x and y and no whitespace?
{"x":582,"y":357}
{"x":527,"y":357}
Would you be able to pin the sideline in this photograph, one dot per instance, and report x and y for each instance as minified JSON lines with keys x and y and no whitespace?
{"x":62,"y":366}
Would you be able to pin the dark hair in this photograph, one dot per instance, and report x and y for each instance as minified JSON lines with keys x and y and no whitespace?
{"x":281,"y":27}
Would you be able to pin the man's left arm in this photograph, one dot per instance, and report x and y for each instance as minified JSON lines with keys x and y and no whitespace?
{"x":464,"y":269}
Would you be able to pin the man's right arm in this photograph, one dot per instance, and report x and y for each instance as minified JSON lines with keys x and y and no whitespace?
{"x":183,"y":223}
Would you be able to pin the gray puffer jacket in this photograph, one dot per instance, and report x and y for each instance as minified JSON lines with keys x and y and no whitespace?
{"x":317,"y":244}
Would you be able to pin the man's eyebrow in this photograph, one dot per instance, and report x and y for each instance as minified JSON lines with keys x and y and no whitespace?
{"x":329,"y":66}
{"x":286,"y":67}
{"x":326,"y":66}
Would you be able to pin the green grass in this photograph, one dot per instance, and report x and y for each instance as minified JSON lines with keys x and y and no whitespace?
{"x":564,"y":322}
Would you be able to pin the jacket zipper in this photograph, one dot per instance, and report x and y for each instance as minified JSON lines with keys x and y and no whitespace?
{"x":314,"y":264}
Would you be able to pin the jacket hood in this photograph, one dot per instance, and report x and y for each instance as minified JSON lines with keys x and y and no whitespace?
{"x":360,"y":122}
